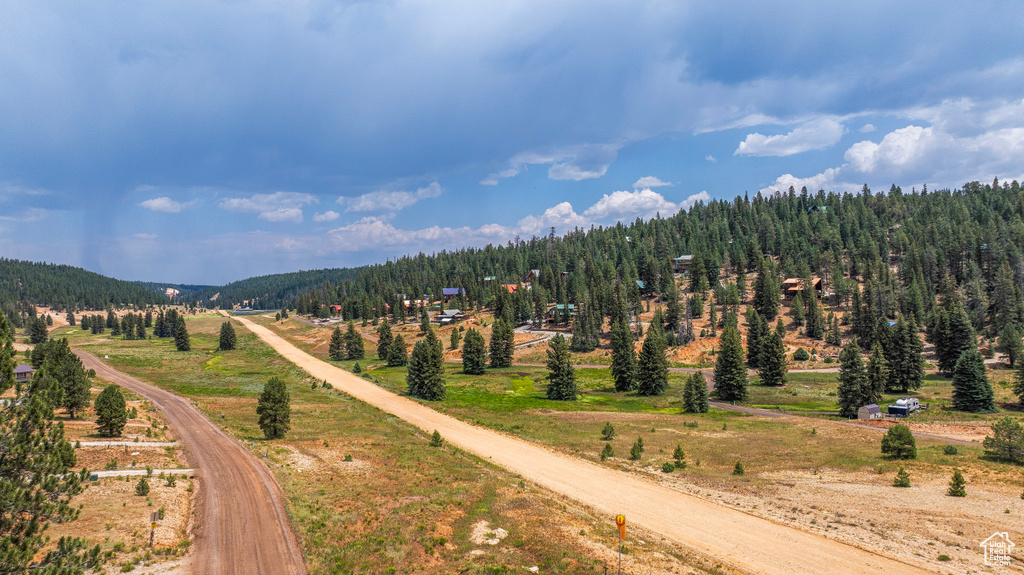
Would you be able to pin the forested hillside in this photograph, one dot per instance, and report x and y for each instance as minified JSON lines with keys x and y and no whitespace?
{"x":67,"y":288}
{"x":272,"y":291}
{"x":903,"y":248}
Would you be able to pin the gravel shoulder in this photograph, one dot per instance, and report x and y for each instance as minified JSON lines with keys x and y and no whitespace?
{"x":742,"y":541}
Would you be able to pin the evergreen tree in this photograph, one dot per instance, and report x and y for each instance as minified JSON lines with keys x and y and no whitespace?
{"x":1018,"y":384}
{"x":384,"y":338}
{"x":755,"y":336}
{"x":228,"y":339}
{"x":148,"y":319}
{"x":398,"y":355}
{"x":336,"y":349}
{"x":140,"y":330}
{"x":956,"y":337}
{"x":815,"y":321}
{"x":111,"y":413}
{"x":772,"y":360}
{"x":64,"y":367}
{"x":957,"y":485}
{"x":274,"y":409}
{"x":70,"y":319}
{"x":695,"y":394}
{"x":354,"y":343}
{"x":877,"y":376}
{"x":852,"y":380}
{"x":502,"y":344}
{"x":623,"y":356}
{"x":37,"y":330}
{"x":797,"y":311}
{"x":456,"y":337}
{"x":971,"y":389}
{"x":561,"y":374}
{"x":425,"y":378}
{"x":474,"y":353}
{"x":899,"y":443}
{"x":1006,"y":442}
{"x":181,"y":339}
{"x":1010,"y":344}
{"x":652,"y":364}
{"x":766,"y":291}
{"x":730,"y":371}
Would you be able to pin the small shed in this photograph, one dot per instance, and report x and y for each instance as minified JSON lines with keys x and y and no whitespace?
{"x":23,"y":372}
{"x":870,"y":411}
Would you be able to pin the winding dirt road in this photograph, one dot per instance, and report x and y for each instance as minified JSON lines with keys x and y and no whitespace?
{"x":745,"y":542}
{"x":241,"y":526}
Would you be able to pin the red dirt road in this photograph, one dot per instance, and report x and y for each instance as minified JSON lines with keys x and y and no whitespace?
{"x":240,"y":524}
{"x":744,"y":542}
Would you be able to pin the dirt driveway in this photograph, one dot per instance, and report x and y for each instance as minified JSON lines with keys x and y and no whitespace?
{"x":744,"y":542}
{"x":241,"y":527}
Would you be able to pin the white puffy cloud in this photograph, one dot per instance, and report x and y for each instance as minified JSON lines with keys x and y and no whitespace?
{"x":26,"y":215}
{"x":166,"y":205}
{"x":711,"y":159}
{"x":275,"y":207}
{"x":327,"y":216}
{"x":649,"y":182}
{"x":581,"y":162}
{"x":812,"y":135}
{"x":701,"y":196}
{"x":389,"y":202}
{"x":827,"y":180}
{"x":562,"y":217}
{"x":867,"y":128}
{"x":374,"y":233}
{"x":643,"y":203}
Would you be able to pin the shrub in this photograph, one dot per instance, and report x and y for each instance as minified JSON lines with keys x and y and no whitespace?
{"x":801,"y":354}
{"x":357,"y":368}
{"x":944,"y":557}
{"x":608,"y":432}
{"x":899,"y":443}
{"x":142,"y":487}
{"x":436,"y":440}
{"x":738,"y":470}
{"x":607,"y":451}
{"x":348,"y":457}
{"x":667,"y":467}
{"x":950,"y":450}
{"x":902,"y":479}
{"x":679,"y":455}
{"x":956,"y":485}
{"x":637,"y":450}
{"x":829,"y":360}
{"x":171,"y":481}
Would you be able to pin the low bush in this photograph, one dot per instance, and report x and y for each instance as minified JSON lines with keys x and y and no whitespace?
{"x":801,"y":354}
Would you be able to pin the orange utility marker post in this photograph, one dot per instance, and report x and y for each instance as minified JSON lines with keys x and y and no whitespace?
{"x":620,"y":520}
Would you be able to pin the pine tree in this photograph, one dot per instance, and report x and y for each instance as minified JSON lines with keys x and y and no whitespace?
{"x":35,"y":474}
{"x":398,"y":355}
{"x":772,"y":361}
{"x":877,"y":376}
{"x":502,"y":344}
{"x":70,"y":319}
{"x":274,"y":409}
{"x":852,"y":380}
{"x":474,"y":353}
{"x":971,"y":389}
{"x":755,"y":337}
{"x":456,"y":337}
{"x":652,"y":364}
{"x":64,"y":367}
{"x":561,"y":374}
{"x":384,"y":338}
{"x":623,"y":357}
{"x":111,"y":413}
{"x":766,"y":291}
{"x":353,"y":343}
{"x":1018,"y":384}
{"x":608,"y":431}
{"x":1006,"y":442}
{"x":797,"y":311}
{"x":181,"y":339}
{"x":228,"y":340}
{"x":957,"y":485}
{"x":336,"y":349}
{"x":37,"y":330}
{"x":695,"y":394}
{"x":730,"y":371}
{"x":425,"y":379}
{"x":815,"y":321}
{"x":1010,"y":344}
{"x":956,"y":337}
{"x":902,"y":478}
{"x":899,"y":443}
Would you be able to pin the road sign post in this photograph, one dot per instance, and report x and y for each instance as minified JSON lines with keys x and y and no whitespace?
{"x":620,"y":521}
{"x":152,"y":527}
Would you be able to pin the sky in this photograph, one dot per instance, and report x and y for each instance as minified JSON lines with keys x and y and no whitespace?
{"x":202,"y":142}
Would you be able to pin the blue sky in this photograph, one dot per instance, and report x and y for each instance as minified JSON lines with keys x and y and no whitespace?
{"x":203,"y":142}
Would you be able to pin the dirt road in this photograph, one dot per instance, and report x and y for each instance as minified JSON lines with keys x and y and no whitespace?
{"x":241,"y":526}
{"x":745,"y":542}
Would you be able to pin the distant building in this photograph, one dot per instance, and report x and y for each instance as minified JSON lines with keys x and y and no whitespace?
{"x":448,"y":294}
{"x":531,"y":277}
{"x":681,"y":265}
{"x":512,"y":288}
{"x":560,"y":309}
{"x":23,"y":373}
{"x":448,"y":316}
{"x":793,"y":286}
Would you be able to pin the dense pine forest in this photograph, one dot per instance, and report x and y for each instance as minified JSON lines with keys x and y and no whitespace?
{"x":901,"y":249}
